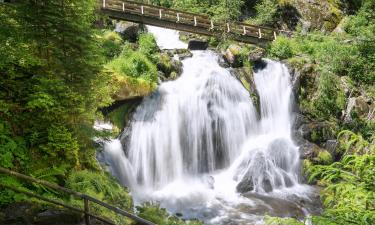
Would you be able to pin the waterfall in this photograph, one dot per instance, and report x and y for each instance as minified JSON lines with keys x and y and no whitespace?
{"x":198,"y":141}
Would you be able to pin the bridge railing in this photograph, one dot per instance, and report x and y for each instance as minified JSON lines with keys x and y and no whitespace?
{"x":86,"y":199}
{"x":197,"y":20}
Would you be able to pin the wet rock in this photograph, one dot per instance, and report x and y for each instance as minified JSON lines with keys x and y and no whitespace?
{"x":169,"y":66}
{"x":273,"y":206}
{"x":181,"y":54}
{"x":256,"y":55}
{"x":232,"y":56}
{"x":246,"y":77}
{"x":222,"y":62}
{"x":245,"y":185}
{"x":197,"y":45}
{"x":128,"y":30}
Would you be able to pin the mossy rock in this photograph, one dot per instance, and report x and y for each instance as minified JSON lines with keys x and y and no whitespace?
{"x":324,"y":158}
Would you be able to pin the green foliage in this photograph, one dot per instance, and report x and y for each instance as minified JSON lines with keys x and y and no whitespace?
{"x":282,"y":48}
{"x":266,"y":11}
{"x":324,"y":157}
{"x":349,"y":193}
{"x":104,"y":188}
{"x":134,"y":64}
{"x":148,"y":46}
{"x":154,"y":213}
{"x":281,"y":221}
{"x":111,"y":43}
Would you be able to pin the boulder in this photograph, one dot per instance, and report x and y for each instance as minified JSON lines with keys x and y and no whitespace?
{"x":169,"y":66}
{"x":131,"y":88}
{"x":180,"y":54}
{"x":256,"y":55}
{"x":128,"y":30}
{"x":246,"y":77}
{"x":322,"y":15}
{"x":359,"y":106}
{"x":318,"y":132}
{"x":197,"y":45}
{"x":233,"y":56}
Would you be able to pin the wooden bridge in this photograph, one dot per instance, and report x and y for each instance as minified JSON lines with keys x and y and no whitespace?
{"x":186,"y":21}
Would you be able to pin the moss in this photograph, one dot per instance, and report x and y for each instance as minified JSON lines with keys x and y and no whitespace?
{"x":324,"y":157}
{"x":119,"y":116}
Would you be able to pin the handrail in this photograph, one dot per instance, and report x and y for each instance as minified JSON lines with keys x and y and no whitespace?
{"x":191,"y":19}
{"x":84,"y":197}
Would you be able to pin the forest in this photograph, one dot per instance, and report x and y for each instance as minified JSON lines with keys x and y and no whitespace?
{"x":63,"y":66}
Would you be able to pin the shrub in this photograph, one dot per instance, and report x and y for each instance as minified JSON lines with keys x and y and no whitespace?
{"x":111,"y":43}
{"x":103,"y":187}
{"x":134,"y":64}
{"x":282,"y":48}
{"x":148,"y":46}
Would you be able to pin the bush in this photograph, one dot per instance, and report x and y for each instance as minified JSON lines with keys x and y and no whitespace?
{"x":134,"y":64}
{"x":282,"y":48}
{"x":111,"y":43}
{"x":104,"y":188}
{"x":349,"y":193}
{"x":148,"y":46}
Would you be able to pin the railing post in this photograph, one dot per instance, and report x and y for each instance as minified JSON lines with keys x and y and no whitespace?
{"x":103,"y":3}
{"x":87,"y":211}
{"x":228,"y":28}
{"x":244,"y":30}
{"x":274,"y":35}
{"x":160,"y":15}
{"x":123,"y":6}
{"x":260,"y":33}
{"x":142,"y":10}
{"x":178,"y":17}
{"x":195,"y":21}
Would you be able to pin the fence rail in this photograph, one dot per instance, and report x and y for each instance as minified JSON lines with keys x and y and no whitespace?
{"x":187,"y":21}
{"x":86,"y":199}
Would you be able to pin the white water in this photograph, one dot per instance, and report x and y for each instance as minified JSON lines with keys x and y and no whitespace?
{"x":196,"y":138}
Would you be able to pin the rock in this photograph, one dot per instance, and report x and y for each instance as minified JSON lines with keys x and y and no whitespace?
{"x":170,"y":67}
{"x":331,"y":146}
{"x":323,"y":15}
{"x":57,"y":217}
{"x":130,"y":88}
{"x":245,"y":185}
{"x":197,"y":45}
{"x":323,"y":157}
{"x":128,"y":30}
{"x":245,"y":76}
{"x":318,"y":132}
{"x":309,"y":150}
{"x":358,"y":106}
{"x":232,"y":56}
{"x":256,"y":55}
{"x":222,"y":62}
{"x":180,"y":54}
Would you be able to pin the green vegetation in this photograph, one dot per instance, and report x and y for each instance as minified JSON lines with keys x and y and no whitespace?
{"x":336,"y":67}
{"x":54,"y":78}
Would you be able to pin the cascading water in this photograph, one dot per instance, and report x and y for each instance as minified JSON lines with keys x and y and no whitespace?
{"x":198,"y":141}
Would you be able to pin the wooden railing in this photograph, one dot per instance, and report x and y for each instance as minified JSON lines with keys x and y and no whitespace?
{"x":191,"y":19}
{"x":86,"y":199}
